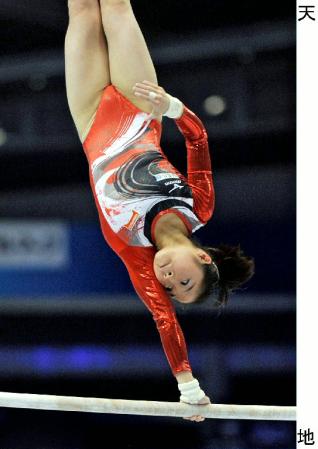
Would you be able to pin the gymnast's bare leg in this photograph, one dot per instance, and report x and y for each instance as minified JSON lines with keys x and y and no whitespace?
{"x":86,"y":62}
{"x":130,"y":61}
{"x":104,"y":45}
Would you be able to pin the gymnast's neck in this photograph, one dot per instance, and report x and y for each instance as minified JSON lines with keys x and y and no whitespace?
{"x":171,"y":231}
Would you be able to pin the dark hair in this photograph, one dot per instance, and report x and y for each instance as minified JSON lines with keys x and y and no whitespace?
{"x":229,"y":269}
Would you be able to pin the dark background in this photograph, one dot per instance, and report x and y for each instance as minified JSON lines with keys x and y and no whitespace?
{"x":75,"y":326}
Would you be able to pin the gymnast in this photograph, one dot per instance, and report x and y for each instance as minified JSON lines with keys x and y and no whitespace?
{"x":147,"y":209}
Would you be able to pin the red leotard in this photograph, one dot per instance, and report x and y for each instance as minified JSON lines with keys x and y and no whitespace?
{"x":133,"y":185}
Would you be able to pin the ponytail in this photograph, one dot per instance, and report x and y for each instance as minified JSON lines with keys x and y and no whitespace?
{"x":230,"y":269}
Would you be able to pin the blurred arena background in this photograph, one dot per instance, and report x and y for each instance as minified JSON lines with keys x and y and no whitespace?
{"x":70,"y":323}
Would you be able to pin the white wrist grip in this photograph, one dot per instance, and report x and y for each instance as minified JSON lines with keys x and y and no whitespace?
{"x":191,"y":392}
{"x":175,"y":109}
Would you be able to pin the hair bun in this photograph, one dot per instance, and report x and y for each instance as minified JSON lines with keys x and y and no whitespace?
{"x":231,"y":269}
{"x":235,"y":268}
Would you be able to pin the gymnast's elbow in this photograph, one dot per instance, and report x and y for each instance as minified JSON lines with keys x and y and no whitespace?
{"x":205,"y":214}
{"x":164,"y":324}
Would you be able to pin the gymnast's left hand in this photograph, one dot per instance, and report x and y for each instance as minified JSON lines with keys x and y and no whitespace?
{"x":199,"y":418}
{"x":191,"y":393}
{"x":158,"y":97}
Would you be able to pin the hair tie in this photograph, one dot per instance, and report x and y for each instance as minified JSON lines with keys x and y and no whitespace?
{"x":216,"y":269}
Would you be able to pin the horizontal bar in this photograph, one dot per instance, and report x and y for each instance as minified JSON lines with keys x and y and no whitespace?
{"x":149,"y":408}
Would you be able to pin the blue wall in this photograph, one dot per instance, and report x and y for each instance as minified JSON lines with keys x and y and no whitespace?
{"x":91,"y":267}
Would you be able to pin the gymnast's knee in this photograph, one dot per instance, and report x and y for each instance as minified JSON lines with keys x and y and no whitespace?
{"x":81,"y":6}
{"x":118,"y":5}
{"x":114,"y":14}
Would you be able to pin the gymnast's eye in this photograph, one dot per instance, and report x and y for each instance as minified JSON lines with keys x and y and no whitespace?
{"x":185,"y":282}
{"x":169,"y":289}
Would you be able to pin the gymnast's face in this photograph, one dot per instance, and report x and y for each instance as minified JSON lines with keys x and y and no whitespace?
{"x":180,"y":270}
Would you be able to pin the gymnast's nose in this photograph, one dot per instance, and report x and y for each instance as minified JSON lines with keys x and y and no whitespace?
{"x":168,"y":274}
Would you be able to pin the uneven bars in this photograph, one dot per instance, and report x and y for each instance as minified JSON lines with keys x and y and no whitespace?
{"x":151,"y":408}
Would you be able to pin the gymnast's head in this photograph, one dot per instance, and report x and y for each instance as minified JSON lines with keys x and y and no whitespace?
{"x":192,"y":273}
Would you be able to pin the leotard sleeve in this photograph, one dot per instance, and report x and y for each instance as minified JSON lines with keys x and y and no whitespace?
{"x":139,"y":263}
{"x":198,"y":164}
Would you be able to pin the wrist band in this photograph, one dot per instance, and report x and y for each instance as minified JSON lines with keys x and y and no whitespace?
{"x":175,"y":109}
{"x":191,"y":392}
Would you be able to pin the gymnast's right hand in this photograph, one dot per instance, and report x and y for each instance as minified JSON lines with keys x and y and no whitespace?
{"x":155,"y":95}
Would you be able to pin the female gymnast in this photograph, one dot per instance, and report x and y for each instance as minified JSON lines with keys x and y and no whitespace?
{"x":147,"y":209}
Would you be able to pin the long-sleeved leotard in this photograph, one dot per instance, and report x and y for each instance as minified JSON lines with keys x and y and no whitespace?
{"x":133,"y":185}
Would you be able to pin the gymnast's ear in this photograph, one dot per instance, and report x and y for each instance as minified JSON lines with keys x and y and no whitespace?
{"x":204,"y":257}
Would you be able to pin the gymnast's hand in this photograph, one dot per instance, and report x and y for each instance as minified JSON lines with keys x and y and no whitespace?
{"x":198,"y":418}
{"x":191,"y":393}
{"x":155,"y":95}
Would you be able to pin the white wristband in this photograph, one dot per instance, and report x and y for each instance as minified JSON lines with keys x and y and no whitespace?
{"x":191,"y":392}
{"x":175,"y":109}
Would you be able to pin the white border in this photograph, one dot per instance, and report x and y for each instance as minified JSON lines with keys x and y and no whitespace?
{"x":307,"y":222}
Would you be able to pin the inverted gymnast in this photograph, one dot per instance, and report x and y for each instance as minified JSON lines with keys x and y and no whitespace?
{"x":147,"y":209}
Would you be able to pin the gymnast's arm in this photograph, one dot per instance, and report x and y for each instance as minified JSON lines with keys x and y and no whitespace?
{"x":139,"y":263}
{"x":196,"y":139}
{"x":198,"y":162}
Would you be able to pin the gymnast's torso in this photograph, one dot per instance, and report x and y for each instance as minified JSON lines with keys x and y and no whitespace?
{"x":133,"y":181}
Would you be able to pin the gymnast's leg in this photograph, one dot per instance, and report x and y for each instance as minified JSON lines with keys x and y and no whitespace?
{"x":86,"y":62}
{"x":129,"y":58}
